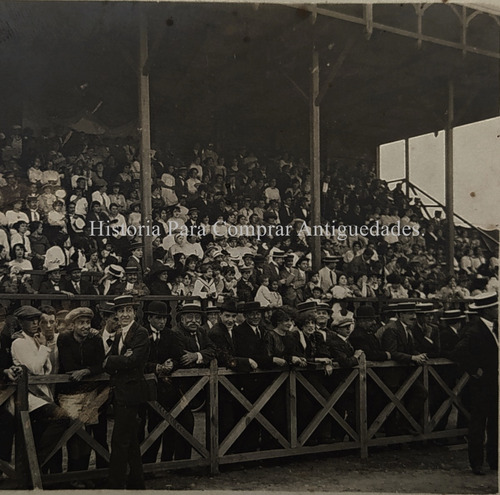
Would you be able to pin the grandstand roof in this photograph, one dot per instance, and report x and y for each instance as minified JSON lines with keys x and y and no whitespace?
{"x":238,"y":73}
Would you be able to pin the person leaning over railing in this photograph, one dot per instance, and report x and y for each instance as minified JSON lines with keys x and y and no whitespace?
{"x":9,"y":374}
{"x":49,"y":421}
{"x":398,"y":340}
{"x":81,"y":354}
{"x":162,"y":361}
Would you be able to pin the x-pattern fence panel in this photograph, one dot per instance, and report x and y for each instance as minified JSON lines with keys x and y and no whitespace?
{"x":326,"y":397}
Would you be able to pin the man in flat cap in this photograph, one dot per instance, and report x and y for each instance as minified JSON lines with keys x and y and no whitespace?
{"x":49,"y":421}
{"x":81,"y":354}
{"x":125,"y":364}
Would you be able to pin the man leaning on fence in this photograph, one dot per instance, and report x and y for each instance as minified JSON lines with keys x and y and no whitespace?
{"x":125,"y":364}
{"x":81,"y":354}
{"x":48,"y":420}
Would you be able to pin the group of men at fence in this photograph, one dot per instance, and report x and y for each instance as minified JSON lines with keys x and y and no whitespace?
{"x":129,"y":345}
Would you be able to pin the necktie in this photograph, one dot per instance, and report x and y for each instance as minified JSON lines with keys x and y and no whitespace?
{"x":109,"y":342}
{"x":156,"y":336}
{"x":197,"y":342}
{"x":77,"y":287}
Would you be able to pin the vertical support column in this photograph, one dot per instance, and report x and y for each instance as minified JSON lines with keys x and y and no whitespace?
{"x":213,"y":426}
{"x":362,"y":408}
{"x":377,"y":165}
{"x":407,"y":167}
{"x":292,"y":407}
{"x":314,"y":122}
{"x":145,"y":130}
{"x":448,"y":148}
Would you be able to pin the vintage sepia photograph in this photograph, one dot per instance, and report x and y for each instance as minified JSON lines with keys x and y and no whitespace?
{"x":249,"y":247}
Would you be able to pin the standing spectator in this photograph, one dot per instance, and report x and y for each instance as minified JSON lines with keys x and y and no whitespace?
{"x":125,"y":364}
{"x":478,"y":353}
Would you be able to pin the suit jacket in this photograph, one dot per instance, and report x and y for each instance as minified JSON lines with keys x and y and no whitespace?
{"x":249,"y":345}
{"x":161,"y":349}
{"x":127,"y":372}
{"x":134,"y":263}
{"x":187,"y":342}
{"x":85,"y":287}
{"x":286,"y":216}
{"x":341,"y":351}
{"x":226,"y":351}
{"x":369,"y":344}
{"x":449,"y":340}
{"x":271,"y":271}
{"x":396,"y":341}
{"x":478,"y":349}
{"x":432,"y":349}
{"x":48,"y":287}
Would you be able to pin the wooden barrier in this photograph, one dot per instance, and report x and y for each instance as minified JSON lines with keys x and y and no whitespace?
{"x":329,"y":399}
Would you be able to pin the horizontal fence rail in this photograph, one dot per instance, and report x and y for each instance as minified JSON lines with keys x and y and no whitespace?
{"x":264,"y":414}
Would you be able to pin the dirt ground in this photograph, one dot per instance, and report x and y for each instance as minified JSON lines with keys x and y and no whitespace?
{"x":429,"y":469}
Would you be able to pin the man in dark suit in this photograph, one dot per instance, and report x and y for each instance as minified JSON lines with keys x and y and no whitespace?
{"x":135,"y":258}
{"x":343,"y":353}
{"x":53,"y":285}
{"x":425,"y":332}
{"x":161,"y":362}
{"x":125,"y":364}
{"x":286,"y":213}
{"x":193,"y":346}
{"x":363,"y":337}
{"x":477,"y":352}
{"x":272,"y":269}
{"x":249,"y":343}
{"x":74,"y":284}
{"x":399,"y":342}
{"x":451,"y":330}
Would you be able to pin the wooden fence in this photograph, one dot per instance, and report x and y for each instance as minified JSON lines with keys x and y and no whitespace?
{"x":327,"y":398}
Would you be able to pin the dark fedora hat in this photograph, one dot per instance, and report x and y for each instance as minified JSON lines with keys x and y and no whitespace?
{"x":251,"y":306}
{"x":158,"y":308}
{"x":229,"y":306}
{"x":366,"y":312}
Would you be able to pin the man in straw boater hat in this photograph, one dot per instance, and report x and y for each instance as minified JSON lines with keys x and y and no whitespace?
{"x":161,"y":362}
{"x":398,"y":340}
{"x":425,"y":331}
{"x":125,"y":363}
{"x":478,"y":353}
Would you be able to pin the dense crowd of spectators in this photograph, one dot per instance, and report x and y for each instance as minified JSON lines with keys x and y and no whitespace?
{"x":257,"y":305}
{"x":54,"y":187}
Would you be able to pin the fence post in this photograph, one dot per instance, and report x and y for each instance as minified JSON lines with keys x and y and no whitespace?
{"x":426,"y":424}
{"x":27,"y":467}
{"x":213,"y":425}
{"x":362,"y":407}
{"x":292,"y":407}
